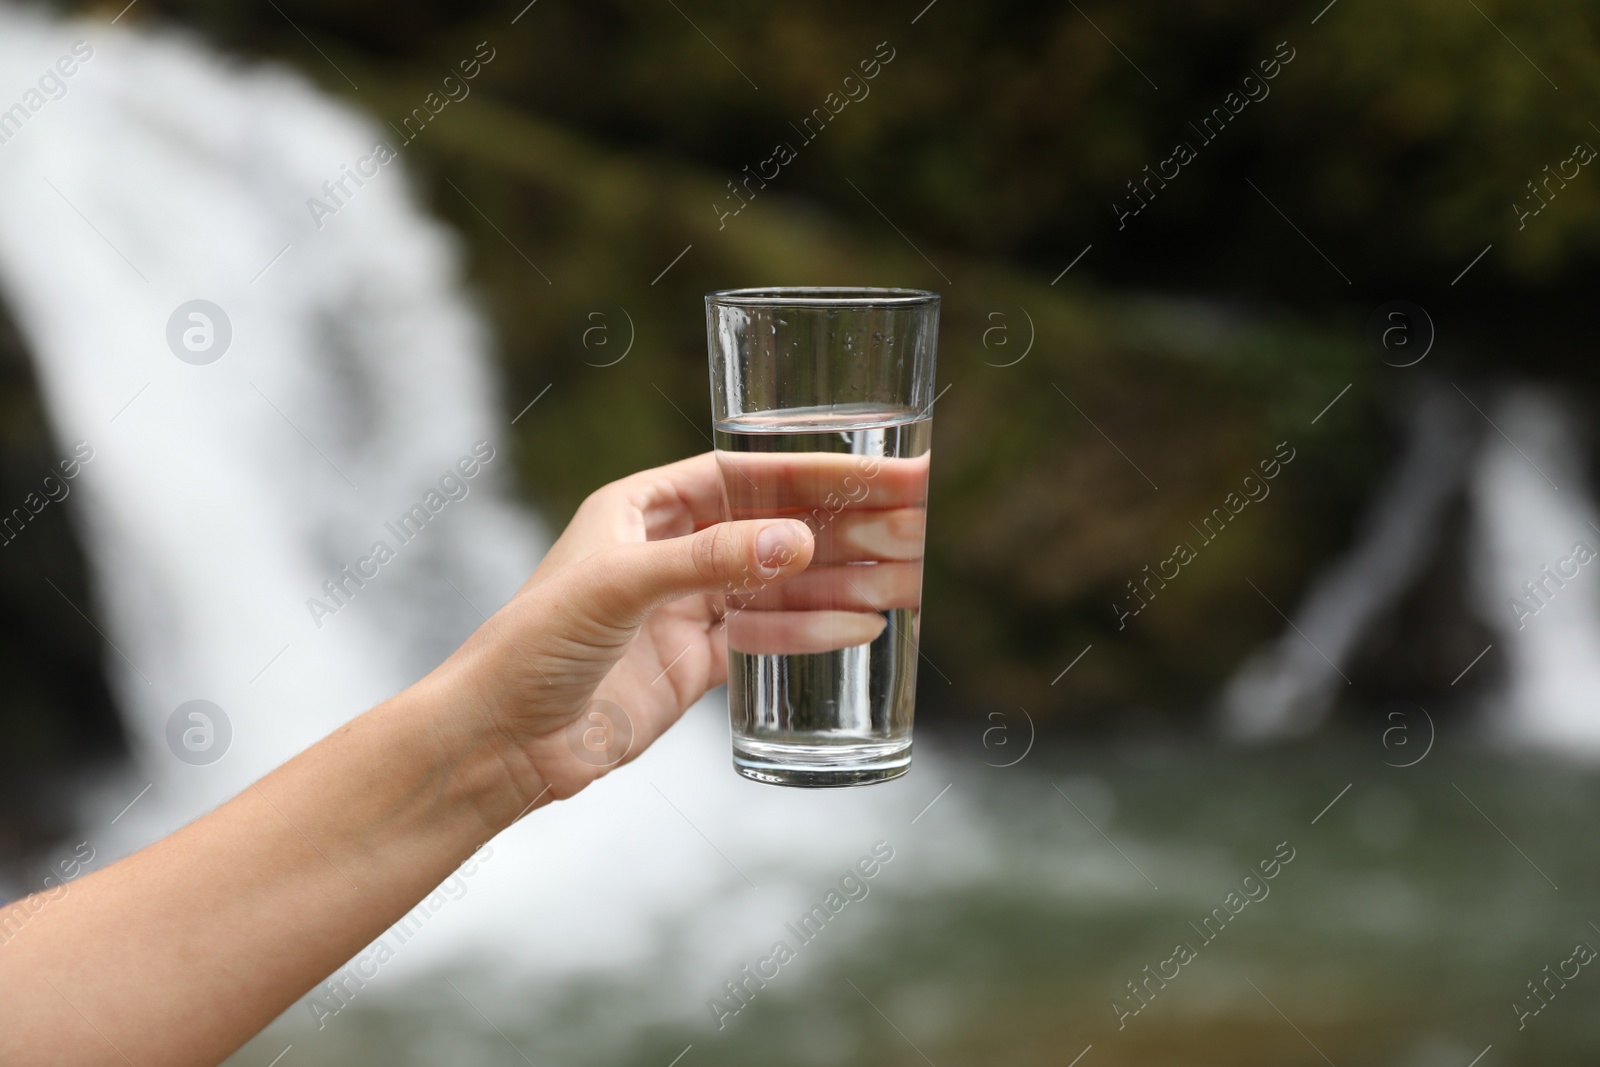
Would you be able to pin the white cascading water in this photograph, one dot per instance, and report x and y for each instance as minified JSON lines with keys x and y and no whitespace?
{"x":222,"y":496}
{"x":1533,"y":508}
{"x":1289,"y":687}
{"x":1530,"y":507}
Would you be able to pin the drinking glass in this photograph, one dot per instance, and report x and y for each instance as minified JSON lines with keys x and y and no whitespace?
{"x":822,"y":405}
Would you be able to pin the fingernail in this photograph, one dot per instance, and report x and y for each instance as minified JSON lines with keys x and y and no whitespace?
{"x":778,"y":544}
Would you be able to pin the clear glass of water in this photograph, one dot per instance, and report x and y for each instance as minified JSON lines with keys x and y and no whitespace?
{"x":822,"y":403}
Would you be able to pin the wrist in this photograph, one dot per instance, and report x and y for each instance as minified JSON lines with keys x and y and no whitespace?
{"x":470,"y":758}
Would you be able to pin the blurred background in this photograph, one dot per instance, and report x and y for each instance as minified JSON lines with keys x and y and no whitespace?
{"x":1261,"y":508}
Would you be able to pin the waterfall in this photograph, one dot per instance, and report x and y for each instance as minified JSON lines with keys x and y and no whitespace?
{"x":1290,"y":686}
{"x":1532,"y":510}
{"x":223,"y":493}
{"x":1531,"y":576}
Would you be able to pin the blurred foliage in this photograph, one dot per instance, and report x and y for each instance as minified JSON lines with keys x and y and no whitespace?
{"x":1398,"y":138}
{"x":601,"y":139}
{"x":1039,"y":518}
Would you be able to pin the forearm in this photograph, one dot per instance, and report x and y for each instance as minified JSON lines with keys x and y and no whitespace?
{"x":179,"y":953}
{"x":245,"y":909}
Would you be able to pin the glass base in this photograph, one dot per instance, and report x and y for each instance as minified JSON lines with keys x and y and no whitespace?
{"x":814,"y":766}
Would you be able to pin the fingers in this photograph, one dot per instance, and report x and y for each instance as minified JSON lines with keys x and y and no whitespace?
{"x":860,"y":535}
{"x":879,"y":587}
{"x":637,"y":543}
{"x":865,"y":536}
{"x":620,"y":585}
{"x":679,"y":498}
{"x":676,"y":499}
{"x":800,"y":632}
{"x":824,"y":609}
{"x":770,"y":483}
{"x":662,"y":502}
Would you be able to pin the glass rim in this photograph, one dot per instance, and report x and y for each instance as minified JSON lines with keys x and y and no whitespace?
{"x":823,"y":296}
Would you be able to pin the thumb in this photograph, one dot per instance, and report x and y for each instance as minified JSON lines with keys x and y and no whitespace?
{"x":628,"y":581}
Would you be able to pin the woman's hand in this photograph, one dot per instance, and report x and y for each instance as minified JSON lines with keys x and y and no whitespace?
{"x":620,"y":629}
{"x":253,"y":903}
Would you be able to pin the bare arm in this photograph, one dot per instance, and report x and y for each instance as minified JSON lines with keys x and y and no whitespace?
{"x":253,"y":904}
